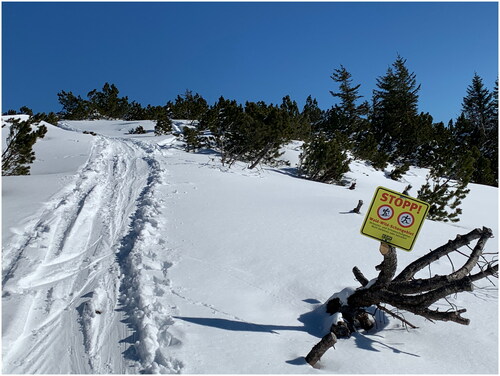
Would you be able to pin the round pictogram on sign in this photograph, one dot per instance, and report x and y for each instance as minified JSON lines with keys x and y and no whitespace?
{"x":385,"y":212}
{"x":406,"y":219}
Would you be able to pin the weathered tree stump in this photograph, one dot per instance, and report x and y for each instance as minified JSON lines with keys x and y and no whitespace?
{"x":357,"y":208}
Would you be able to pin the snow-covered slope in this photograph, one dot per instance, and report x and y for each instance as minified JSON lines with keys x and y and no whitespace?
{"x":125,"y":254}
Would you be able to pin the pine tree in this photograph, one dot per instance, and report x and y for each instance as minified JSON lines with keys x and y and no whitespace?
{"x":188,"y":106}
{"x":163,"y":123}
{"x":440,"y":140}
{"x":312,"y":113}
{"x":137,"y":130}
{"x":395,"y":105}
{"x":107,"y":103}
{"x":479,"y":108}
{"x":446,"y":185}
{"x":350,"y":118}
{"x":477,"y":128}
{"x":50,"y":118}
{"x":136,"y":112}
{"x":73,"y":107}
{"x":18,"y":153}
{"x":265,"y":129}
{"x":324,"y":160}
{"x":26,"y":110}
{"x":346,"y":116}
{"x":253,"y":134}
{"x":348,"y":95}
{"x":192,"y":138}
{"x":222,"y":120}
{"x":298,"y":124}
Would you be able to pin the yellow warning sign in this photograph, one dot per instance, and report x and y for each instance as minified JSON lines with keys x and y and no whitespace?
{"x":394,"y":218}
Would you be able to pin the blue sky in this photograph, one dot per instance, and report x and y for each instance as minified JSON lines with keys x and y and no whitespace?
{"x":245,"y":51}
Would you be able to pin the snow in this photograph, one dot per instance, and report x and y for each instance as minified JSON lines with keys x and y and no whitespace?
{"x":125,"y":254}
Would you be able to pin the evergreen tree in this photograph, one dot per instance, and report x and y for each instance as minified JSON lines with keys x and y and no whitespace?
{"x":395,"y":105}
{"x":254,"y":133}
{"x":440,"y":140}
{"x":192,"y":138}
{"x":163,"y":124}
{"x":345,"y":116}
{"x":137,"y":130}
{"x":349,"y":117}
{"x":223,"y":120}
{"x":188,"y":106}
{"x":26,"y":110}
{"x":312,"y":113}
{"x":73,"y":107}
{"x":477,"y":127}
{"x":264,"y":129}
{"x":299,"y":126}
{"x":18,"y":153}
{"x":50,"y":118}
{"x":348,"y":95}
{"x":324,"y":159}
{"x":399,"y":171}
{"x":107,"y":103}
{"x":479,"y":108}
{"x":135,"y":112}
{"x":446,"y":185}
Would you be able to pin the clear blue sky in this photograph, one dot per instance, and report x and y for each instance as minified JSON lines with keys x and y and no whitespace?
{"x":245,"y":51}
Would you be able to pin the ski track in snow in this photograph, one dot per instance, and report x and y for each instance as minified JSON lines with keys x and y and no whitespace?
{"x":88,"y":264}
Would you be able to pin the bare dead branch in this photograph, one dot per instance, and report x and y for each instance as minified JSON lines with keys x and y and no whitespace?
{"x":419,"y":264}
{"x":445,"y":316}
{"x":359,"y":276}
{"x":382,"y":308}
{"x":416,"y":295}
{"x":320,"y":348}
{"x":474,"y":257}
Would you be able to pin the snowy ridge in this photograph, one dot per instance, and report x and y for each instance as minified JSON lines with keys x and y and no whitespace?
{"x":142,"y":258}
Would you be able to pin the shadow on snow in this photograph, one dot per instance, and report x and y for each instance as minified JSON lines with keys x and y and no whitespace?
{"x":313,"y":322}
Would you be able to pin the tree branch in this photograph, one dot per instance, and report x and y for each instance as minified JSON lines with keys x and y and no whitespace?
{"x":359,"y":276}
{"x":439,"y":252}
{"x":474,"y":257}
